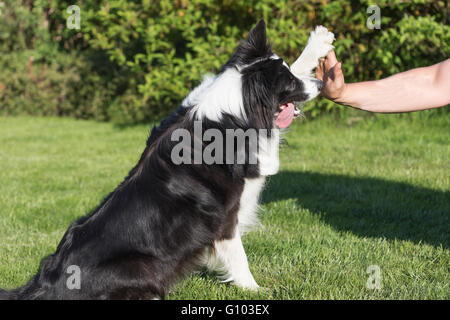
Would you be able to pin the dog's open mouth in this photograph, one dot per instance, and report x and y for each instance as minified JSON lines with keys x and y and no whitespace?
{"x":286,"y":114}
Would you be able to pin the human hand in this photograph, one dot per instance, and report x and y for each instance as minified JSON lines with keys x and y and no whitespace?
{"x":330,"y":72}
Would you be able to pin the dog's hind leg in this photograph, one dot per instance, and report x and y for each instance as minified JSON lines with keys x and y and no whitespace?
{"x":320,"y":43}
{"x":228,"y":258}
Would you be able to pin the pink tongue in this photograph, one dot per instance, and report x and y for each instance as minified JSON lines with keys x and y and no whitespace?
{"x":286,"y":116}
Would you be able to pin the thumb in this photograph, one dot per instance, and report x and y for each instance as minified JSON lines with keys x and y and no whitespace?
{"x":339,"y":74}
{"x":336,"y":73}
{"x":339,"y":68}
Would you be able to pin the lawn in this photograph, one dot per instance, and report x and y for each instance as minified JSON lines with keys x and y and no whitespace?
{"x":350,"y":194}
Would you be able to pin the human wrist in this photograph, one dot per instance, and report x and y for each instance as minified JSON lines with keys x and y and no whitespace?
{"x":345,"y":95}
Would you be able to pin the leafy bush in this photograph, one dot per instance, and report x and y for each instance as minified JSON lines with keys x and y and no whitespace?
{"x":38,"y":76}
{"x":133,"y":61}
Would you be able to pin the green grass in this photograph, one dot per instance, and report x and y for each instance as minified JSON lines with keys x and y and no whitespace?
{"x":374,"y":192}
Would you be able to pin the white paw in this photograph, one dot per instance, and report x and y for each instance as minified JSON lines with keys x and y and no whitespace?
{"x":321,"y":41}
{"x":253,"y":287}
{"x":247,"y":285}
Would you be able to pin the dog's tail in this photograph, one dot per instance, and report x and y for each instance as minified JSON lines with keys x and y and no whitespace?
{"x":8,"y":295}
{"x":30,"y":291}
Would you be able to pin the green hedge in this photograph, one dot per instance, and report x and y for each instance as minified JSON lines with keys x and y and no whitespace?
{"x":134,"y":61}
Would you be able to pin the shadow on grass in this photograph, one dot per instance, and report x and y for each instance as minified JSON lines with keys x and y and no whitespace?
{"x":368,"y":207}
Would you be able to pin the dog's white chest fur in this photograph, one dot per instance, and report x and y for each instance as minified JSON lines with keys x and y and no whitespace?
{"x":269,"y":164}
{"x":268,"y":160}
{"x":248,"y":206}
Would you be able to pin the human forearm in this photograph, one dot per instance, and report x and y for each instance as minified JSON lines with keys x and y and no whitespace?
{"x":413,"y":90}
{"x":416,"y":89}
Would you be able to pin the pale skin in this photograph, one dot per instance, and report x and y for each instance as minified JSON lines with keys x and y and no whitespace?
{"x":413,"y":90}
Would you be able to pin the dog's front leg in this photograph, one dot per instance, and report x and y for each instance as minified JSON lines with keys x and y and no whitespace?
{"x":231,"y":261}
{"x":320,"y":43}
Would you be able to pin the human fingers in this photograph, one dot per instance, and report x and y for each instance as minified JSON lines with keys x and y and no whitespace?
{"x":330,"y":60}
{"x":320,"y":70}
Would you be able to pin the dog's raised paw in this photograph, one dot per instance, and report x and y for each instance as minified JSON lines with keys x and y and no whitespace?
{"x":321,"y":41}
{"x":324,"y":34}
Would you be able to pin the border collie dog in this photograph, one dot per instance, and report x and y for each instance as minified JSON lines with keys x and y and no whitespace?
{"x":165,"y":219}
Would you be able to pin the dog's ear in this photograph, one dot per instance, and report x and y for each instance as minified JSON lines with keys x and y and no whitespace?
{"x":254,"y":47}
{"x":257,"y":38}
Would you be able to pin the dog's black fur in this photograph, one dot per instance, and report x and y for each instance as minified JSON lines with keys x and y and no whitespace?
{"x":154,"y":227}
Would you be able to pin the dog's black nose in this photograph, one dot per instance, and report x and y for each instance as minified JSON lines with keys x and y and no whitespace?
{"x":319,"y":84}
